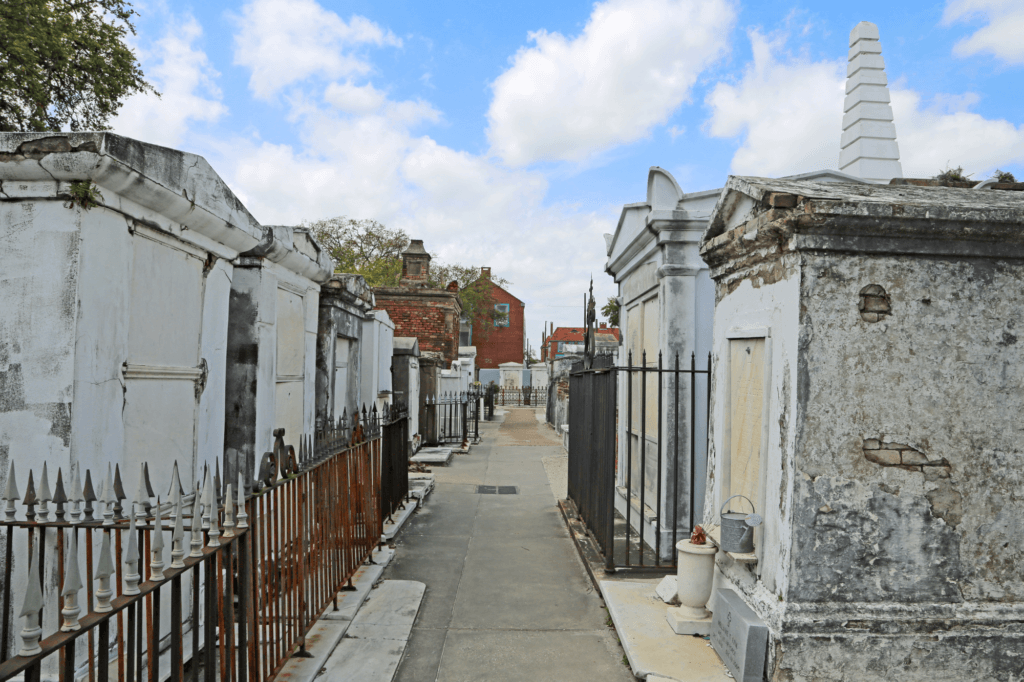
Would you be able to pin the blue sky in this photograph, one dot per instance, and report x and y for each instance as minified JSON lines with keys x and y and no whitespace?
{"x":510,"y":134}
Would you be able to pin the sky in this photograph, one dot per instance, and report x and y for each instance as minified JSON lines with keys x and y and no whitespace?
{"x":510,"y":135}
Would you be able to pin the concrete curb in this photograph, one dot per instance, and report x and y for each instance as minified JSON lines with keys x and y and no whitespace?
{"x":399,"y":518}
{"x":327,"y":632}
{"x":373,"y":647}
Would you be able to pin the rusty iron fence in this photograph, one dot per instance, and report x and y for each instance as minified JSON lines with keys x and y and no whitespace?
{"x":252,"y":565}
{"x":521,"y":397}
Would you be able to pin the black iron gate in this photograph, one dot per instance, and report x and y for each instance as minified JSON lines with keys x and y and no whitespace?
{"x":665,"y":429}
{"x":394,"y":477}
{"x":456,"y":417}
{"x":591,"y":484}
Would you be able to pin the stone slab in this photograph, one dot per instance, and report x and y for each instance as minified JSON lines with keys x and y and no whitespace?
{"x":435,"y":456}
{"x":652,"y":648}
{"x":739,"y":636}
{"x":684,"y":625}
{"x":374,"y":644}
{"x":667,"y":590}
{"x":365,"y":578}
{"x":399,"y":518}
{"x":421,"y":485}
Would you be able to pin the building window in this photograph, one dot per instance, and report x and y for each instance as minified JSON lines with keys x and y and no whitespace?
{"x":465,"y":331}
{"x":502,"y":319}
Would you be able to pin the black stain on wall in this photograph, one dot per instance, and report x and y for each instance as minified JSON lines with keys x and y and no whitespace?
{"x":12,"y":389}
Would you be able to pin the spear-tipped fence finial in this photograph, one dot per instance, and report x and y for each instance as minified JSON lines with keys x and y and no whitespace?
{"x":214,"y":532}
{"x":76,"y":496}
{"x":72,"y":584}
{"x":131,"y":560}
{"x":196,"y":536}
{"x":175,"y":492}
{"x":229,"y":512}
{"x":45,"y":496}
{"x":149,"y":489}
{"x":30,"y":498}
{"x":108,"y":498}
{"x":11,"y":494}
{"x":208,"y":503}
{"x":118,"y":493}
{"x":31,"y":608}
{"x":156,"y":546}
{"x":178,"y":536}
{"x":217,"y":491}
{"x":141,"y":500}
{"x":60,"y":497}
{"x":104,"y":570}
{"x":90,"y":496}
{"x":243,"y":517}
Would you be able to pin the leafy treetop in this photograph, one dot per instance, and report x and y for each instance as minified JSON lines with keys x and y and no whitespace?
{"x":611,"y":312}
{"x":373,"y":250}
{"x":65,"y":64}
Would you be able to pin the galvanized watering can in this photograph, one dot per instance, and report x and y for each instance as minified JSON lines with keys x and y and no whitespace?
{"x":738,"y":528}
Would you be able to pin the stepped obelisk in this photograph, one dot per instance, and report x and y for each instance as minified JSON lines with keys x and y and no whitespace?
{"x":869,"y":148}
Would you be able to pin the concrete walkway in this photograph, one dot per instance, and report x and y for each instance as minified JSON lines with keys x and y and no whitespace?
{"x":507,"y":597}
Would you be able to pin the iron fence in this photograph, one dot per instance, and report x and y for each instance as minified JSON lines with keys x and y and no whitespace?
{"x":395,"y":460}
{"x":591,"y":475}
{"x":456,"y":417}
{"x":262,"y":561}
{"x":521,"y":397}
{"x":662,"y":406}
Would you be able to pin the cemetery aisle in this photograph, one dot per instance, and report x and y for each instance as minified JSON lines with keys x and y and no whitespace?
{"x":507,"y":597}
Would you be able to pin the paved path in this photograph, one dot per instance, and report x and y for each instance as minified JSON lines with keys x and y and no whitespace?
{"x":507,"y":598}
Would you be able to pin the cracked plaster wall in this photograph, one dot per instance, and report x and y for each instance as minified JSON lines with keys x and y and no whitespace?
{"x":942,"y":375}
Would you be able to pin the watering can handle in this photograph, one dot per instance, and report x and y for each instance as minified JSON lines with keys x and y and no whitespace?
{"x":735,"y":496}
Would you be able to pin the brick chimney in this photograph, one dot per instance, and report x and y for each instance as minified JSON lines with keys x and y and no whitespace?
{"x":415,"y":265}
{"x":485,"y":273}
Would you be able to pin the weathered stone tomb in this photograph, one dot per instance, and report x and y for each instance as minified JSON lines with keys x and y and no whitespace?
{"x":868,"y":393}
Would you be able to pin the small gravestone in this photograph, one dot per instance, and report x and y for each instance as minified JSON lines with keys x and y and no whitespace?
{"x":739,"y":637}
{"x":667,"y":590}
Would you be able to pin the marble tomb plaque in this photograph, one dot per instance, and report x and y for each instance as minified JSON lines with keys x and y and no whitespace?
{"x":739,"y":637}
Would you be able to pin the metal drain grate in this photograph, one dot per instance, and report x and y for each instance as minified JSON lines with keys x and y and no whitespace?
{"x":496,"y":490}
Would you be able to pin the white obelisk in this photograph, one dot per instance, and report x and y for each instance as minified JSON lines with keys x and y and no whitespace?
{"x":869,"y":148}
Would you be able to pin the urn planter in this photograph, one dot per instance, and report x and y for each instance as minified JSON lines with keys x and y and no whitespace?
{"x":694,"y":574}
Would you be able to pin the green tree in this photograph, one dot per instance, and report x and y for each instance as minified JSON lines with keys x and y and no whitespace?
{"x":371,"y":249}
{"x":65,"y":64}
{"x":610,"y":310}
{"x":364,"y":247}
{"x":477,"y":298}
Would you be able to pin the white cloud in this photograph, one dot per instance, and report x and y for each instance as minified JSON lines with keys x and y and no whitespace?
{"x":1001,"y":35}
{"x":360,"y":153}
{"x":931,"y":140}
{"x":354,"y":99}
{"x":186,"y":80}
{"x":567,"y":99}
{"x":287,"y":41}
{"x":787,"y":114}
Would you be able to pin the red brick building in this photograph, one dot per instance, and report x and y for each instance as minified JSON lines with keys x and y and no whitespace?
{"x":504,"y":341}
{"x":429,"y":315}
{"x":569,"y":340}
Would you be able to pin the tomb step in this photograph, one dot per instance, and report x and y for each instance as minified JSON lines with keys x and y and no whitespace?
{"x":652,"y":648}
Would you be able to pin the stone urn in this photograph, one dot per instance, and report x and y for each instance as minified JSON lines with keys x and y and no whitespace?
{"x":694,"y":574}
